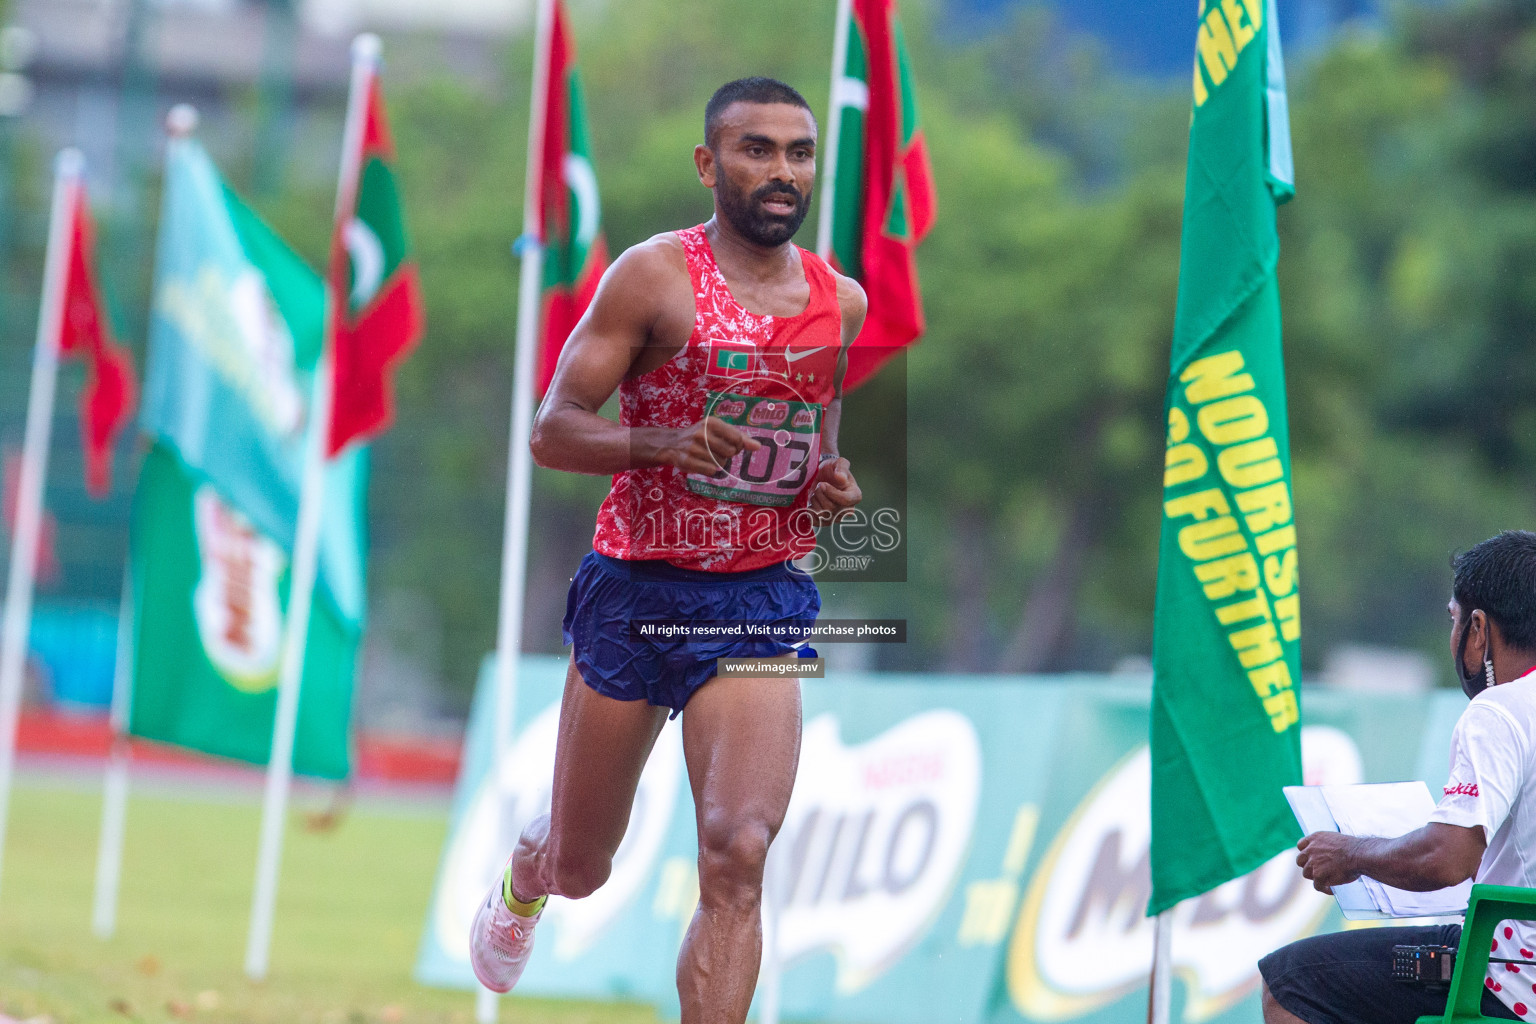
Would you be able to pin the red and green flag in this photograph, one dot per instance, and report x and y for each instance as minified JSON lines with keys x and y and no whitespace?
{"x":375,"y":290}
{"x":569,"y":215}
{"x":882,"y":199}
{"x":1226,"y":716}
{"x":107,"y":400}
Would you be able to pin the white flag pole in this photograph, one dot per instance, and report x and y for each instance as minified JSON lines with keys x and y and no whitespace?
{"x":771,"y":980}
{"x":514,"y":549}
{"x":306,"y":551}
{"x":180,"y":123}
{"x":1159,"y":996}
{"x":114,"y":795}
{"x":837,"y":99}
{"x":34,"y":468}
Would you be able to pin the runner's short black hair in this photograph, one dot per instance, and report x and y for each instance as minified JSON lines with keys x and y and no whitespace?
{"x":756,"y":89}
{"x":1499,"y":576}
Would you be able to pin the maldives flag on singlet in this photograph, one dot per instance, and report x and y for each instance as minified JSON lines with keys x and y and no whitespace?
{"x":374,"y":288}
{"x":883,"y":196}
{"x":569,"y":214}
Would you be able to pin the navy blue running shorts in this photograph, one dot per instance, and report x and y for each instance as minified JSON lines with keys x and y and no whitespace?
{"x":610,"y":597}
{"x":1346,"y":977}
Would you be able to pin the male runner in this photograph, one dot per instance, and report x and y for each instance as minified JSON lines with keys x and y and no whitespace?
{"x":727,"y":346}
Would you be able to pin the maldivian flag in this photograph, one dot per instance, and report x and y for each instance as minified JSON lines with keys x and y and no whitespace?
{"x":1226,"y":718}
{"x":106,"y":401}
{"x":234,"y":339}
{"x":570,"y":215}
{"x":883,"y":196}
{"x":374,"y":287}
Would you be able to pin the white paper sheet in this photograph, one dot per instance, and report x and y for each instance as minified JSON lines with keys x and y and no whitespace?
{"x":1386,"y":809}
{"x":1311,"y":810}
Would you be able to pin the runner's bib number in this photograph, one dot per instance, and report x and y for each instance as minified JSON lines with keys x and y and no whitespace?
{"x":790,"y":435}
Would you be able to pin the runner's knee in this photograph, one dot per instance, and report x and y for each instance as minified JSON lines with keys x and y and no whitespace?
{"x":731,"y":858}
{"x":577,"y":874}
{"x":1273,"y":1012}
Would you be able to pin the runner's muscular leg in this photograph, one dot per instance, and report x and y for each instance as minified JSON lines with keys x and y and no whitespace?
{"x":1273,"y":1012}
{"x":741,"y":738}
{"x":599,"y":754}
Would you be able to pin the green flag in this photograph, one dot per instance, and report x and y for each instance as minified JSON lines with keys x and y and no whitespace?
{"x":1226,"y":722}
{"x":210,"y":596}
{"x":235,"y":337}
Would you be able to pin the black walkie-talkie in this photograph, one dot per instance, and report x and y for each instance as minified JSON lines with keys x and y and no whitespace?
{"x":1430,"y":966}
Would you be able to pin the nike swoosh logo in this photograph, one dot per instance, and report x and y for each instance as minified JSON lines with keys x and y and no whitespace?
{"x":795,"y":357}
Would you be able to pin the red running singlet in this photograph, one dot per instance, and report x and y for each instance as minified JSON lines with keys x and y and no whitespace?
{"x":770,"y":376}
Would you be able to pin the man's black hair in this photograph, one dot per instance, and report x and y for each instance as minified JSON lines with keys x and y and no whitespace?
{"x":748,"y":90}
{"x":1499,"y":576}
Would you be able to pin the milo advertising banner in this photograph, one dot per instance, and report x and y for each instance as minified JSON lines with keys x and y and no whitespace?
{"x":233,"y":342}
{"x":957,"y":849}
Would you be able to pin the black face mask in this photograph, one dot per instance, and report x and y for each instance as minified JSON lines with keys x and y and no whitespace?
{"x":1477,"y":682}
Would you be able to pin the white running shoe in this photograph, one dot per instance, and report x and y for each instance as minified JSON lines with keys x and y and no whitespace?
{"x":500,"y":941}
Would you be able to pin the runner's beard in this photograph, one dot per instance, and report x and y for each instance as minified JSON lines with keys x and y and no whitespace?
{"x":748,"y":217}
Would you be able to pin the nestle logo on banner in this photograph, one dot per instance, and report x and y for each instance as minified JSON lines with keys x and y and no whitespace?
{"x":907,"y":769}
{"x":1082,"y":939}
{"x":874,"y":840}
{"x":768,"y":414}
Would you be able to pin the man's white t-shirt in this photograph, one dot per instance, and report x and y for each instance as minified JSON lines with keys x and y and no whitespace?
{"x":1493,"y":785}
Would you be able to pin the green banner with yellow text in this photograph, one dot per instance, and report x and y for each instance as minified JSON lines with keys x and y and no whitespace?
{"x":1226,"y":719}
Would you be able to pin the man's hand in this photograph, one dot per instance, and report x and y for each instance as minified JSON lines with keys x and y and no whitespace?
{"x":708,"y":445}
{"x":835,"y":490}
{"x":1326,"y":859}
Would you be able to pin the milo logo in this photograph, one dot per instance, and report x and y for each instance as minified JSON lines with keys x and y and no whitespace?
{"x":235,"y":603}
{"x":804,"y":418}
{"x":874,"y":840}
{"x":1081,"y":939}
{"x":730,"y":408}
{"x":768,"y":414}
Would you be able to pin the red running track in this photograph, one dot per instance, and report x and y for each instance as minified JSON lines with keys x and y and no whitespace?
{"x":376,"y":758}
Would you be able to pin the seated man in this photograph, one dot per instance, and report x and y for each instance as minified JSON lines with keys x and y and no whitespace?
{"x":1485,"y":827}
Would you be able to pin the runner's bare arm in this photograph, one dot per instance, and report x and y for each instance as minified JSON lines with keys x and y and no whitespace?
{"x":642,"y":311}
{"x":836,"y":490}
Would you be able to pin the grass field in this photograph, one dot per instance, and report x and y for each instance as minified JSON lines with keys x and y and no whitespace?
{"x":349,"y":916}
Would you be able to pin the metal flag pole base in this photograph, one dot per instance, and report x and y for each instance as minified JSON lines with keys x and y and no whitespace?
{"x":114,"y":795}
{"x":770,"y":984}
{"x":109,"y":854}
{"x":1160,"y":993}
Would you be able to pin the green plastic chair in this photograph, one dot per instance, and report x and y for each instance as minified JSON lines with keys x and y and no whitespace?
{"x":1488,"y":907}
